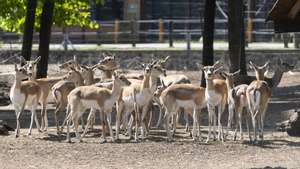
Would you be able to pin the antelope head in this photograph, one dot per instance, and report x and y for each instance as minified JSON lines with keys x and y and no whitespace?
{"x":30,"y":66}
{"x":211,"y":71}
{"x":108,"y":63}
{"x":260,"y":71}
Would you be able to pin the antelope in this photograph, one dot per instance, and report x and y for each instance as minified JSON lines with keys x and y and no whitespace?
{"x":70,"y":64}
{"x":143,"y":92}
{"x":44,"y":83}
{"x":237,"y":103}
{"x":280,"y":68}
{"x":157,"y":94}
{"x":258,"y":95}
{"x":167,"y":81}
{"x":24,"y":95}
{"x":187,"y":96}
{"x":61,"y":90}
{"x":216,"y":95}
{"x":103,"y":99}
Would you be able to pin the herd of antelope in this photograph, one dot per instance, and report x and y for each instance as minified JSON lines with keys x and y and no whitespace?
{"x":132,"y":98}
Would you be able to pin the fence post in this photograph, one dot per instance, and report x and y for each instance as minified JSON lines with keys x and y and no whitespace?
{"x":161,"y":30}
{"x":83,"y":35}
{"x":116,"y":30}
{"x":133,"y":32}
{"x":99,"y":37}
{"x":188,"y":40}
{"x":171,"y":33}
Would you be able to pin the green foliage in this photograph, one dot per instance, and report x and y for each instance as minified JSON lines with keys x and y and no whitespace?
{"x":66,"y":13}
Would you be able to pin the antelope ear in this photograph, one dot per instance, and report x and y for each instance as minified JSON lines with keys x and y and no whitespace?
{"x":216,"y":63}
{"x":84,"y":67}
{"x":218,"y":69}
{"x":94,"y":67}
{"x":73,"y":69}
{"x":266,"y":64}
{"x":163,"y":61}
{"x":22,"y":60}
{"x":37,"y":60}
{"x":143,"y":65}
{"x":224,"y":74}
{"x":200,"y":67}
{"x":266,"y":73}
{"x":75,"y":58}
{"x":115,"y":74}
{"x":237,"y":72}
{"x":252,"y":65}
{"x":163,"y":84}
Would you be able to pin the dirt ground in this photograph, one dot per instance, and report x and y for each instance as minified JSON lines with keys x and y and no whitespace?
{"x":49,"y":151}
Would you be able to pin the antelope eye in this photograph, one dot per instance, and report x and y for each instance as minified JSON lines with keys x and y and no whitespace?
{"x":69,"y":63}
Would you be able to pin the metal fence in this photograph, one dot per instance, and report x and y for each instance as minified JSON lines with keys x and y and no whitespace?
{"x":145,"y":31}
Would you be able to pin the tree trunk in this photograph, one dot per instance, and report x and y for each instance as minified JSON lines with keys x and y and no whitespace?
{"x":28,"y":29}
{"x":115,"y":9}
{"x":208,"y":35}
{"x":45,"y":34}
{"x":235,"y":34}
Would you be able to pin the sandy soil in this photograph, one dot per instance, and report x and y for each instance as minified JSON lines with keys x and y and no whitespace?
{"x":50,"y":151}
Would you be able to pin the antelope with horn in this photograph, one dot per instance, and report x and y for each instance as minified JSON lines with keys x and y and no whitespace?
{"x":24,"y":95}
{"x":237,"y":103}
{"x":45,"y":85}
{"x":216,"y":95}
{"x":75,"y":78}
{"x":186,"y":96}
{"x":258,"y":96}
{"x":103,"y":99}
{"x":143,"y":91}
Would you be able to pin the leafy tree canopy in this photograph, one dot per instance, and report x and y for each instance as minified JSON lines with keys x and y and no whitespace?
{"x":66,"y":13}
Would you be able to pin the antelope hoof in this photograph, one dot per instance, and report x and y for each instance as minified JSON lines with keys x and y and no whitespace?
{"x":103,"y":140}
{"x":135,"y":141}
{"x":29,"y":134}
{"x":169,"y":140}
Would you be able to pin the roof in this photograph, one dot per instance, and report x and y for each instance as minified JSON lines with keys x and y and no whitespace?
{"x":285,"y":14}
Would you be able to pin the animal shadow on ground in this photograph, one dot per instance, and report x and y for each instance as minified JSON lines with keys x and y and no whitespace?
{"x":273,"y":144}
{"x":268,"y":167}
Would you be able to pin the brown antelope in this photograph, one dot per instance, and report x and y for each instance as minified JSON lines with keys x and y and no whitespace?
{"x":216,"y":95}
{"x":258,"y":96}
{"x":175,"y":118}
{"x":103,"y":99}
{"x":45,"y":85}
{"x":144,"y":93}
{"x":24,"y":95}
{"x":70,"y":64}
{"x":280,"y":68}
{"x":61,"y":90}
{"x":186,"y":96}
{"x":167,"y":81}
{"x":78,"y":74}
{"x":237,"y":103}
